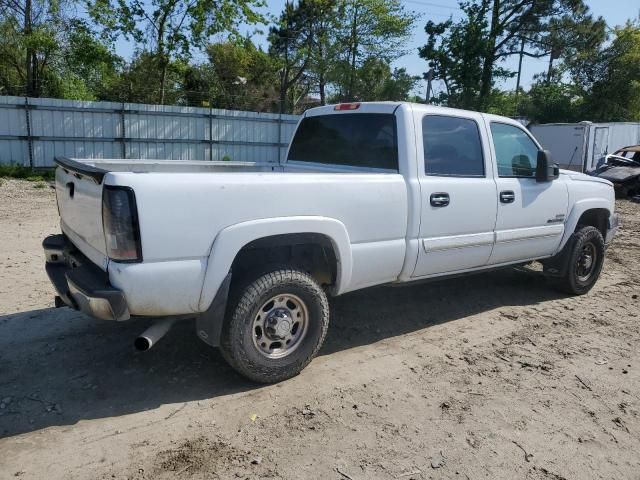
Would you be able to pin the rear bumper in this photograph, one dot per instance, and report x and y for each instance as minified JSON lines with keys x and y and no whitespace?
{"x":612,"y":228}
{"x":80,"y":284}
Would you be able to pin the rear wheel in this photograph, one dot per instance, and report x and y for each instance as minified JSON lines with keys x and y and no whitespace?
{"x":584,"y":263}
{"x":276,"y":327}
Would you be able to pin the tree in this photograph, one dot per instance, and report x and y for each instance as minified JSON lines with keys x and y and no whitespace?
{"x":375,"y":81}
{"x":32,"y":30}
{"x":290,"y":44}
{"x":562,"y":37}
{"x":455,"y":52}
{"x":171,"y":28}
{"x":371,"y":28}
{"x":508,"y":19}
{"x":88,"y":62}
{"x":493,"y":30}
{"x":551,"y":100}
{"x":12,"y":55}
{"x":323,"y":47}
{"x":67,"y":60}
{"x":243,"y":76}
{"x":614,"y":91}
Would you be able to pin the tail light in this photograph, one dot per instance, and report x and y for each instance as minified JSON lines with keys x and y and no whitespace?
{"x":120,"y":224}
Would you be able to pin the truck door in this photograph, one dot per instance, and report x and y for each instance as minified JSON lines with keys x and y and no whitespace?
{"x":530,"y":214}
{"x":458,"y":193}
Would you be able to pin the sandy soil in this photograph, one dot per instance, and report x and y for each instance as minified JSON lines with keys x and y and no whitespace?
{"x":491,"y":376}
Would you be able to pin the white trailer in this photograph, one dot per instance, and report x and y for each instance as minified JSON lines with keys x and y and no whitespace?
{"x":580,"y":146}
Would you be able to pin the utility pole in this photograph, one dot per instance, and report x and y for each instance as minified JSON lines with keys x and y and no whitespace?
{"x":522,"y":42}
{"x":429,"y":81}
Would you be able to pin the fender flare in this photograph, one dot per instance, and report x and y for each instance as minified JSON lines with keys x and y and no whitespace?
{"x":580,"y":207}
{"x":232,"y":239}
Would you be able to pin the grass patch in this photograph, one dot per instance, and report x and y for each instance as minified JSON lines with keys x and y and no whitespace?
{"x":26,"y":173}
{"x":39,"y":185}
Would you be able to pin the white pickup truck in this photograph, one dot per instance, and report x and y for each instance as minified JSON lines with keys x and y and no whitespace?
{"x":370,"y":194}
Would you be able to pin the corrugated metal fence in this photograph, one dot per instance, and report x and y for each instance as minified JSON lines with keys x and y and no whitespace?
{"x":35,"y":130}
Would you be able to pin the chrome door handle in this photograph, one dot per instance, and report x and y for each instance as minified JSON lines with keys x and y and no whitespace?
{"x":507,"y":196}
{"x":439,"y":199}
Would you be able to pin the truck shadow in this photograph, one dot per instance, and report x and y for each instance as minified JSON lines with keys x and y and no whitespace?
{"x":58,"y":367}
{"x":367,"y":316}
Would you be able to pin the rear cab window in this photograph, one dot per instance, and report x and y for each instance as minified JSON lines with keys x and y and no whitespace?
{"x":366,"y":140}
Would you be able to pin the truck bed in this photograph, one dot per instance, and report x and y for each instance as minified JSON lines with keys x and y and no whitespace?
{"x":182,"y":207}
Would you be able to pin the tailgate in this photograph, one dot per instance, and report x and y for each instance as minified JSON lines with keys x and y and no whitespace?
{"x":79,"y":194}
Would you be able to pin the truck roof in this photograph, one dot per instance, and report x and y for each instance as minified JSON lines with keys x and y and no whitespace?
{"x":390,"y":107}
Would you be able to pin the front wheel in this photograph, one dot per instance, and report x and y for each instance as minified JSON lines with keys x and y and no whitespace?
{"x":584,"y":263}
{"x":276,"y":327}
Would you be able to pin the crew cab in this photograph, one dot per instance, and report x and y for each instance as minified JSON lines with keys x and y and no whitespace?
{"x":369,"y":194}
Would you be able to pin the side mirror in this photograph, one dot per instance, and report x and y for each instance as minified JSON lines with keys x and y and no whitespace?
{"x":545,"y":170}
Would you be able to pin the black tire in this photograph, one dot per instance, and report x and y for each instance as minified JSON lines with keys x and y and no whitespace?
{"x":578,"y":279}
{"x":240,"y":344}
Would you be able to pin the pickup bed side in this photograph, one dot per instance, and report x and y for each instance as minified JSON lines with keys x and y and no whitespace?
{"x":186,"y":262}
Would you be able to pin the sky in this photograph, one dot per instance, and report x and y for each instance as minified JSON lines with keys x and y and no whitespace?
{"x":615,"y":12}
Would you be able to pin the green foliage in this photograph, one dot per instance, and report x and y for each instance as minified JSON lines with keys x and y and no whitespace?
{"x":328,"y":47}
{"x":140,"y":80}
{"x":319,"y":51}
{"x":554,"y":102}
{"x":241,"y":76}
{"x":90,"y":64}
{"x":455,"y":52}
{"x":467,"y":55}
{"x":290,"y":44}
{"x":507,"y":104}
{"x":615,"y":90}
{"x":32,"y":31}
{"x":369,"y":28}
{"x":376,"y":81}
{"x":238,"y":76}
{"x":169,"y":29}
{"x":25,"y":173}
{"x":69,"y":60}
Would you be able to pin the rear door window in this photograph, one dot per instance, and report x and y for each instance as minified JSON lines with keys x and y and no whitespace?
{"x":353,"y":139}
{"x":452,"y":146}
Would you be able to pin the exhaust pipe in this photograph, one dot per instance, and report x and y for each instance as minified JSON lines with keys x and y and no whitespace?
{"x":153,"y":334}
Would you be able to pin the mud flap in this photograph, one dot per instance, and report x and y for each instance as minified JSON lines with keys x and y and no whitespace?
{"x":209,"y":324}
{"x":557,"y":265}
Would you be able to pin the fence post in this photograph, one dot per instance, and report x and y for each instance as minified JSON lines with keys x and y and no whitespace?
{"x":210,"y":133}
{"x":280,"y":137}
{"x":29,"y":137}
{"x":123,"y":140}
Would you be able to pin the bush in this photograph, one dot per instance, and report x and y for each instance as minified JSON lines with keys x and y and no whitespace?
{"x":26,"y":173}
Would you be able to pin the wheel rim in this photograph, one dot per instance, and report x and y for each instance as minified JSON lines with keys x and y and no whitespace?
{"x":280,"y":325}
{"x":587,"y":261}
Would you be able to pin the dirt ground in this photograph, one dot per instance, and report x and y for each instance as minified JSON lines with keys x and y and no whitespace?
{"x":491,"y":376}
